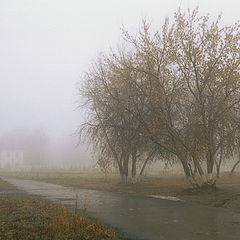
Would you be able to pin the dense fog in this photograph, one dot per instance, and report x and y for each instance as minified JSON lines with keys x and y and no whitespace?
{"x":45,"y":48}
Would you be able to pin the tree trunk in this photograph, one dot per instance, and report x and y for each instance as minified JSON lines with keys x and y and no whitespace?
{"x":191,"y":172}
{"x":125,"y":168}
{"x":218,"y":170}
{"x":134,"y":167}
{"x":219,"y":163}
{"x":145,"y":162}
{"x":195,"y":169}
{"x":124,"y":178}
{"x":210,"y":164}
{"x":233,"y":168}
{"x":143,"y":167}
{"x":199,"y":170}
{"x":187,"y":172}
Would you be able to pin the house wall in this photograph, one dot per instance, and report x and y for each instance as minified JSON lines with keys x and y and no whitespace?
{"x":11,"y":158}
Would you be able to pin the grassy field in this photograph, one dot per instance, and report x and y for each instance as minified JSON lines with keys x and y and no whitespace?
{"x":95,"y":180}
{"x":99,"y":181}
{"x":25,"y":218}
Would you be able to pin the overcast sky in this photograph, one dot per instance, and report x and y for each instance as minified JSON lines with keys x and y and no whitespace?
{"x":46,"y":45}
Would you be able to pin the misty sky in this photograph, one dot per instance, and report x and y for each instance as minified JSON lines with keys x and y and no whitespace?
{"x":46,"y":45}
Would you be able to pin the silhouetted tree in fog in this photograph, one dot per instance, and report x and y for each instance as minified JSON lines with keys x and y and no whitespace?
{"x":173,"y":93}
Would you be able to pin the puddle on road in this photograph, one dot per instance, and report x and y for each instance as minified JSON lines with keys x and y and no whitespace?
{"x":166,"y":197}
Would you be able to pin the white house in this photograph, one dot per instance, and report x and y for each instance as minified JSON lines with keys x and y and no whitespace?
{"x":11,"y":158}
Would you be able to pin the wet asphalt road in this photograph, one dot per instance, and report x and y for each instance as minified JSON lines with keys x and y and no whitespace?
{"x":142,"y":217}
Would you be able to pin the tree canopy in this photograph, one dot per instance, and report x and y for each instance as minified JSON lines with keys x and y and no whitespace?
{"x":167,"y":94}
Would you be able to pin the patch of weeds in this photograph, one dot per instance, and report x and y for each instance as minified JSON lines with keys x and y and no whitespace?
{"x":25,"y":219}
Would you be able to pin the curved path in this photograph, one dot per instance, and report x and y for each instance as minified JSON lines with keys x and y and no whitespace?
{"x":142,"y":217}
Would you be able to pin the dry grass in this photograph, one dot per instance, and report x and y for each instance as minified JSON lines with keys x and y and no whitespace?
{"x":24,"y":218}
{"x":30,"y":219}
{"x":150,"y":185}
{"x":96,"y":180}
